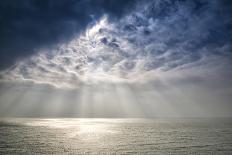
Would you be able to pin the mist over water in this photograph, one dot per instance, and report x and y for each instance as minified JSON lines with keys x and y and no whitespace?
{"x":115,"y":136}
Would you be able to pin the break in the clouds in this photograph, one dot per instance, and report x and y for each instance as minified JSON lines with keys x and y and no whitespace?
{"x":141,"y":51}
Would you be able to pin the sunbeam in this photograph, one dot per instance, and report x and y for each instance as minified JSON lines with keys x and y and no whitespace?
{"x":115,"y":77}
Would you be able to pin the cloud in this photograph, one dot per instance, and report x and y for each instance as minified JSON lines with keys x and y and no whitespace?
{"x":31,"y":25}
{"x":159,"y":58}
{"x":154,"y":38}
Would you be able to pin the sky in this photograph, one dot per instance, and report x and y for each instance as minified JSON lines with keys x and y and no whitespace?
{"x":116,"y":58}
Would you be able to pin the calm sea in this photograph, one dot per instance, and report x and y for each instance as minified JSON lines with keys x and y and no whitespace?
{"x":115,"y":136}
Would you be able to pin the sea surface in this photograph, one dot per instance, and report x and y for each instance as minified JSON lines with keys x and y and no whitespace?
{"x":115,"y":136}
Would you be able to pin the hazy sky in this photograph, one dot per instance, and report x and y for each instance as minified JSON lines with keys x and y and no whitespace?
{"x":116,"y":58}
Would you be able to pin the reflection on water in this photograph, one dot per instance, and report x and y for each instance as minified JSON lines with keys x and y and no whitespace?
{"x":77,"y":127}
{"x":115,"y":136}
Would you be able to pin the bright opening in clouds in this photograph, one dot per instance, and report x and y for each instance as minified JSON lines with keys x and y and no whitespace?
{"x":157,"y":59}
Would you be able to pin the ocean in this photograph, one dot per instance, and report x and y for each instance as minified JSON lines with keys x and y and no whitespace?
{"x":115,"y":136}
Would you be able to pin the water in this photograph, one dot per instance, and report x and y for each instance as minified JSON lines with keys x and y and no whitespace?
{"x":115,"y":136}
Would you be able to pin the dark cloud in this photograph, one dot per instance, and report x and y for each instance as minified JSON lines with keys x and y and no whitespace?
{"x":185,"y":29}
{"x":28,"y":25}
{"x":169,"y":33}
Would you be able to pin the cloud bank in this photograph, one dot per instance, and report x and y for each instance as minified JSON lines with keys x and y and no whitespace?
{"x":173,"y":57}
{"x":155,"y":38}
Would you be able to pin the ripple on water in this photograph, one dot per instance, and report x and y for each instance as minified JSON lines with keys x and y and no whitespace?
{"x":115,"y":136}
